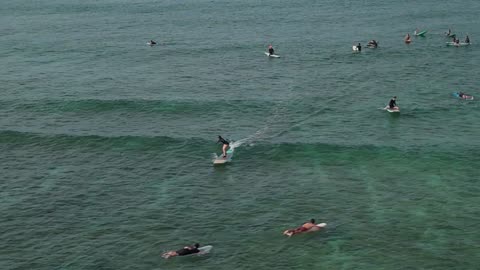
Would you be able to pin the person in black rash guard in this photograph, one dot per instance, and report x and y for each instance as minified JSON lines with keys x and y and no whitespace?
{"x":182,"y":252}
{"x":467,"y":40}
{"x":359,"y":47}
{"x":270,"y":50}
{"x":225,"y":145}
{"x":392,"y":104}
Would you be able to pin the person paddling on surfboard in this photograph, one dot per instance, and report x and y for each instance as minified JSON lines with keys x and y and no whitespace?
{"x":372,"y":43}
{"x":225,"y":145}
{"x":271,"y":51}
{"x":392,"y":104}
{"x":182,"y":252}
{"x":152,"y":42}
{"x":307,"y":226}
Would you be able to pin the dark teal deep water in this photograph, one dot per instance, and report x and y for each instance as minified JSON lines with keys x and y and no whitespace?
{"x":106,"y":143}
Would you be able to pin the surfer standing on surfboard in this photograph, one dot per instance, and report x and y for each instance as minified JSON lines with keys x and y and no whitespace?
{"x":225,"y":145}
{"x":305,"y":227}
{"x":271,"y":51}
{"x":392,"y":104}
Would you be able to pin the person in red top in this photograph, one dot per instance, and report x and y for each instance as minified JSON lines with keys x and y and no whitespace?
{"x":307,"y":226}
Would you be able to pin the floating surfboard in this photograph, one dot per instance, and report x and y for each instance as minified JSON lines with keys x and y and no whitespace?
{"x":465,"y":96}
{"x":151,"y":44}
{"x":272,"y":55}
{"x":222,"y":160}
{"x":421,"y":34}
{"x":204,"y":250}
{"x":460,"y":44}
{"x":392,"y":110}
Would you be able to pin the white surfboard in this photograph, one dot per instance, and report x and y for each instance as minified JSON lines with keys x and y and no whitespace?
{"x":204,"y":250}
{"x":222,"y":160}
{"x":355,"y":49}
{"x":317,"y":227}
{"x":392,"y":110}
{"x":460,"y":44}
{"x":272,"y":55}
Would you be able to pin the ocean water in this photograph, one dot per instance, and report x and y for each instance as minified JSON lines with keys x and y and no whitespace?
{"x":106,"y":143}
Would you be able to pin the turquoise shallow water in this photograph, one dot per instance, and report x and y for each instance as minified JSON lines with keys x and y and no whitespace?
{"x":106,"y":143}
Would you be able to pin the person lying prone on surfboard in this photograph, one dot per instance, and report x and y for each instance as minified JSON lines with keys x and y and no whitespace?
{"x":225,"y":145}
{"x":304,"y":228}
{"x":182,"y":252}
{"x":373,"y":43}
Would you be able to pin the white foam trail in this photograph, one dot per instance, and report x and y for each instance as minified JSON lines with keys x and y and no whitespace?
{"x":248,"y":139}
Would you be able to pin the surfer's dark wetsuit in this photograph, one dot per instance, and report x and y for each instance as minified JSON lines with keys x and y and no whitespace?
{"x":222,"y":140}
{"x":271,"y":51}
{"x":392,"y":103}
{"x":187,"y":251}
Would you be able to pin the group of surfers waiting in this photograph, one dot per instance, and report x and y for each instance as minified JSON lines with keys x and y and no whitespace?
{"x":371,"y":44}
{"x":455,"y":39}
